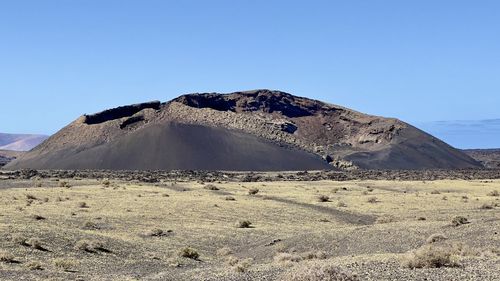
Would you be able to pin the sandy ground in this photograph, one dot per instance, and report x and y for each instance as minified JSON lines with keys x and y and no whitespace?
{"x":71,"y":229}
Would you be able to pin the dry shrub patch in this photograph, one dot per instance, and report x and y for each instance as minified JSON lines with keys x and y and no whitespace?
{"x":494,"y":193}
{"x":211,"y":187}
{"x":253,"y":191}
{"x":189,"y":253}
{"x":244,"y":224}
{"x":287,"y":257}
{"x":323,"y":198}
{"x":34,"y":265}
{"x":459,"y":220}
{"x":90,"y":246}
{"x":157,"y":232}
{"x":223,"y":252}
{"x":437,"y":237}
{"x":65,"y":264}
{"x":6,"y":257}
{"x":317,"y":272}
{"x":431,"y":256}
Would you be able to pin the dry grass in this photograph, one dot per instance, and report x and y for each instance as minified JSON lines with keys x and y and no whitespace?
{"x":430,"y":256}
{"x":317,"y":272}
{"x":189,"y":253}
{"x":288,"y":216}
{"x":437,"y":237}
{"x":65,"y":264}
{"x":6,"y":257}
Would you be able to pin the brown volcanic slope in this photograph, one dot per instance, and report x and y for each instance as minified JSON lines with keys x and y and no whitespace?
{"x":253,"y":130}
{"x":490,"y":158}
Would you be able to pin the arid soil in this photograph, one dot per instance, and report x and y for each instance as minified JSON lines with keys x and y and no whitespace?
{"x":102,"y":225}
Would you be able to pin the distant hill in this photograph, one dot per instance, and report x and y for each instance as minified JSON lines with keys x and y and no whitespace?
{"x":490,"y":158}
{"x":468,"y":134}
{"x":251,"y":130}
{"x":20,"y":142}
{"x":7,"y":156}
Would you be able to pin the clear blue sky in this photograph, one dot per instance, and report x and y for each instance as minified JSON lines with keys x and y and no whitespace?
{"x":416,"y":60}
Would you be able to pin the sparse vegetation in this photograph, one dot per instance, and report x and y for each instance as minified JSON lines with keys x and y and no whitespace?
{"x":459,"y":220}
{"x":35,"y":243}
{"x":437,"y":237}
{"x":317,"y":272}
{"x":65,"y":264}
{"x":90,"y":246}
{"x":137,"y":230}
{"x":34,"y":265}
{"x":494,"y":193}
{"x":323,"y":198}
{"x":64,"y":184}
{"x":6,"y":257}
{"x":244,"y":224}
{"x":189,"y":253}
{"x":211,"y":187}
{"x":287,"y":257}
{"x":157,"y":232}
{"x":430,"y":256}
{"x":82,"y":205}
{"x":253,"y":191}
{"x":486,"y":206}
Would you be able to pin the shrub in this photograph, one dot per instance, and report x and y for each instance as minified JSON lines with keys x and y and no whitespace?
{"x":385,"y":219}
{"x":459,"y":220}
{"x":226,"y":251}
{"x":106,"y":183}
{"x":232,"y":260}
{"x":494,"y":193}
{"x":320,"y":255}
{"x":35,"y":243}
{"x":323,"y":198}
{"x":317,"y":272}
{"x":435,"y":192}
{"x":6,"y":257}
{"x":157,"y":232}
{"x":243,"y":265}
{"x":65,"y":264}
{"x":244,"y":224}
{"x":211,"y":187}
{"x":430,"y":256}
{"x":230,"y":198}
{"x":287,"y":257}
{"x":189,"y":253}
{"x":31,"y":197}
{"x":38,"y":217}
{"x":33,"y":265}
{"x":64,"y":184}
{"x":90,"y":246}
{"x":372,"y":200}
{"x":437,"y":237}
{"x":253,"y":191}
{"x":83,"y":205}
{"x":21,"y":240}
{"x":486,"y":207}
